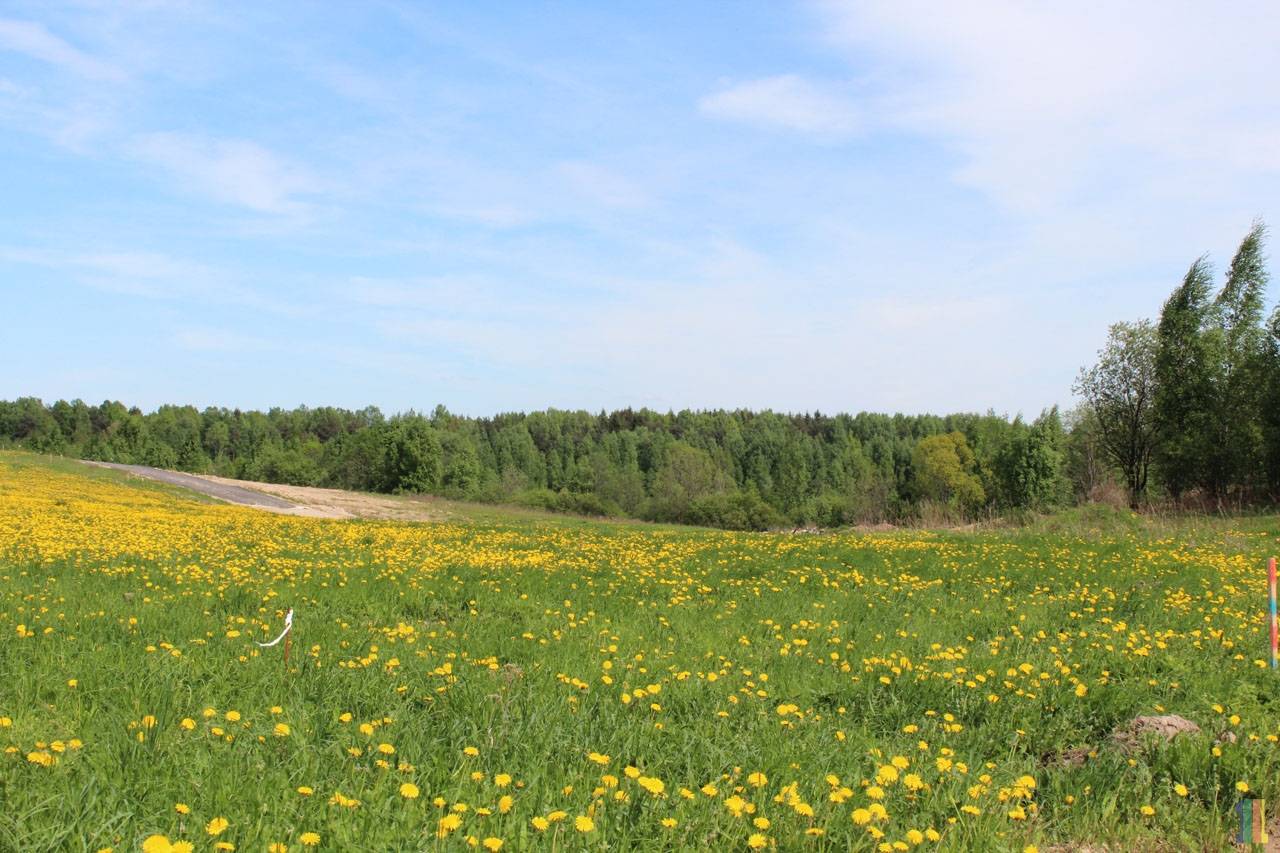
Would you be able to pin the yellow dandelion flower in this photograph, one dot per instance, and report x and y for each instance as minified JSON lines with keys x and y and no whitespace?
{"x":157,"y":844}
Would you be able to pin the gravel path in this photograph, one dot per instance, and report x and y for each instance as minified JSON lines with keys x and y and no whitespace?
{"x":222,"y":491}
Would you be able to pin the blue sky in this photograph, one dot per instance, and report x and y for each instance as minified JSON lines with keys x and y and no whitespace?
{"x":885,"y":206}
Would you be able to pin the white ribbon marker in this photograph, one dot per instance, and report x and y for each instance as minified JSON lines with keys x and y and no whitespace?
{"x":288,"y":624}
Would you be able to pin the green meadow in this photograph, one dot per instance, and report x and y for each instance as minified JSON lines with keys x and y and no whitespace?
{"x":544,"y":683}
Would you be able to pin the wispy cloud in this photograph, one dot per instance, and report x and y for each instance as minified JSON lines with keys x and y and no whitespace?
{"x":153,"y":275}
{"x":1164,"y":89}
{"x":788,"y":101}
{"x":602,"y":185}
{"x":231,"y":171}
{"x":145,"y":274}
{"x":34,"y":40}
{"x":207,"y":339}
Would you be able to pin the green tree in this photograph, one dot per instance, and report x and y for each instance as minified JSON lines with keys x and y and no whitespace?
{"x":1120,"y":389}
{"x":1236,"y":450}
{"x":687,"y":474}
{"x":1271,"y":406}
{"x":413,"y":456}
{"x":1183,"y":406}
{"x":946,"y":471}
{"x":1031,"y":465}
{"x":1087,"y":466}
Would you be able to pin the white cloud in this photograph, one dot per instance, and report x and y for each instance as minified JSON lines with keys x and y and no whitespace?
{"x":788,"y":101}
{"x":1047,"y":103}
{"x":34,"y":40}
{"x":232,"y":171}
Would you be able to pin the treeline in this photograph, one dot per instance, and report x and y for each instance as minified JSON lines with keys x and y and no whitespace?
{"x":1188,"y":409}
{"x":1185,"y":410}
{"x":735,"y":469}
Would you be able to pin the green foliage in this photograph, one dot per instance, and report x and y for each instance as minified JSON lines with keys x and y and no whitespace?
{"x":807,"y":469}
{"x":1234,"y":442}
{"x":1087,"y":468}
{"x":946,"y":471}
{"x":1184,"y":397}
{"x":576,"y":503}
{"x":296,"y":466}
{"x":413,"y":457}
{"x":1032,"y":465}
{"x":733,"y":511}
{"x":687,"y":474}
{"x":1120,"y":391}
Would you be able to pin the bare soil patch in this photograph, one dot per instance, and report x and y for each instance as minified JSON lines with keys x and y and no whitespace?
{"x":336,"y":503}
{"x":1130,"y":736}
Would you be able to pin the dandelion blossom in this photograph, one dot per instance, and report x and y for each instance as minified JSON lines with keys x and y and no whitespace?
{"x":156,"y":844}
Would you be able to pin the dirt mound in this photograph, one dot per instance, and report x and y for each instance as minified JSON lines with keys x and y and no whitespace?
{"x":1074,"y":757}
{"x":1130,"y":736}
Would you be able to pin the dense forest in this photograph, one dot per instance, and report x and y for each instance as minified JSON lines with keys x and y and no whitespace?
{"x":737,"y":469}
{"x":1185,"y":411}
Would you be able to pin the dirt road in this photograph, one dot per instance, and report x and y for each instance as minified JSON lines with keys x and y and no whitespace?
{"x":294,"y":500}
{"x":222,"y":491}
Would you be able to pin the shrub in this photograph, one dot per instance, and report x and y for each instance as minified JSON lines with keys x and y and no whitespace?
{"x":733,"y":511}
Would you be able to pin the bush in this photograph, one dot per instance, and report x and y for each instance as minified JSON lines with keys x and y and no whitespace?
{"x":280,"y":465}
{"x":828,"y":510}
{"x":733,"y":511}
{"x":577,"y":503}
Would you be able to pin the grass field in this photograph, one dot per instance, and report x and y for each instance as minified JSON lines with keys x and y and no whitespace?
{"x":567,"y":685}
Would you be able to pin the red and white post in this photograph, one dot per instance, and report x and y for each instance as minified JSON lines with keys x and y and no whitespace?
{"x":1271,"y":592}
